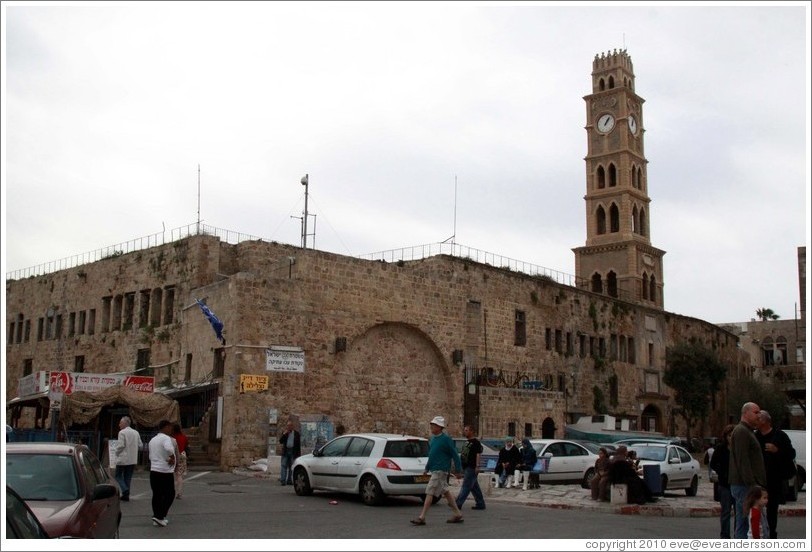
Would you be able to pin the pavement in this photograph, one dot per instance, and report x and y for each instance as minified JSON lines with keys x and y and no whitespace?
{"x":573,"y":497}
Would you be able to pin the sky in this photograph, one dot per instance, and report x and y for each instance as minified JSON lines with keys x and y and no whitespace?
{"x":417,"y":123}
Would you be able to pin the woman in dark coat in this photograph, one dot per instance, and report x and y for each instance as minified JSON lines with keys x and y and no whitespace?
{"x":720,"y":463}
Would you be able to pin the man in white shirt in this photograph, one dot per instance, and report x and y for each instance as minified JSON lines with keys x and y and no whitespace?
{"x":162,"y":473}
{"x":129,"y":442}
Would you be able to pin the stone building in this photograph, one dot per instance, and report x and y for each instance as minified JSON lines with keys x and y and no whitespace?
{"x":383,"y":345}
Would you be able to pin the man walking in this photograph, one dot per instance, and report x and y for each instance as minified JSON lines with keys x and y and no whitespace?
{"x":778,"y":453}
{"x":126,"y":450}
{"x":162,"y":473}
{"x":291,"y":450}
{"x":746,"y":464}
{"x":469,"y":458}
{"x":442,"y":452}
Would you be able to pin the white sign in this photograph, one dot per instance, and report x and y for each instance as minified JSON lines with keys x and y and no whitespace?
{"x":32,"y":384}
{"x":111,"y":451}
{"x":284,"y":360}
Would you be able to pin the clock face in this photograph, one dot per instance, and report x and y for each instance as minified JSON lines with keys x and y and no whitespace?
{"x":606,"y":123}
{"x":632,"y":124}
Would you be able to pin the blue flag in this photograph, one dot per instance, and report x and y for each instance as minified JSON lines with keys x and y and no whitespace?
{"x":215,"y":322}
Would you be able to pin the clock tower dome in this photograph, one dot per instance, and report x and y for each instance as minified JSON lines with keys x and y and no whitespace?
{"x":618,"y":259}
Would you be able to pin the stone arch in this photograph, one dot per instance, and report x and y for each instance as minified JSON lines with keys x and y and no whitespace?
{"x":614,"y":218}
{"x":652,"y":418}
{"x":611,"y":283}
{"x":597,"y":283}
{"x":600,"y":220}
{"x":601,"y":177}
{"x":643,"y":222}
{"x":383,"y":366}
{"x":548,"y":428}
{"x":612,"y":175}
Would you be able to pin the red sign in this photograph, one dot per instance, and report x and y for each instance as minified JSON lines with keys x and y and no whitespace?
{"x":70,"y":382}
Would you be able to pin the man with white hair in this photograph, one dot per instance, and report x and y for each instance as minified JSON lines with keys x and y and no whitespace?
{"x":126,"y":451}
{"x":442,"y":452}
{"x":778,"y":454}
{"x":746,"y":464}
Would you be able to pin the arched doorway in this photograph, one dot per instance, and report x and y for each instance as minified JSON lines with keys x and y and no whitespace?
{"x":651,"y":419}
{"x":548,"y":428}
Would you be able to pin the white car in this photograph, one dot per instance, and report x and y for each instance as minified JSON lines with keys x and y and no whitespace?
{"x":678,"y":469}
{"x":372,"y":465}
{"x":568,"y":461}
{"x":796,"y":484}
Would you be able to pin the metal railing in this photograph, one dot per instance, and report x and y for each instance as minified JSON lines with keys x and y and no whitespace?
{"x":144,"y":242}
{"x":418,"y":252}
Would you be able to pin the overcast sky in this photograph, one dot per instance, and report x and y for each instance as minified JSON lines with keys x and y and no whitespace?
{"x":109,"y":109}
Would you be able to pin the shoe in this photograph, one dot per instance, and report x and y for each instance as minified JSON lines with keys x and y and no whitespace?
{"x":159,"y":522}
{"x":166,"y":521}
{"x":477,"y":507}
{"x":125,"y":498}
{"x":418,"y":521}
{"x":455,"y":519}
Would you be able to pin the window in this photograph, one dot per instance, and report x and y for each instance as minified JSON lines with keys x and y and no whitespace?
{"x":40,"y":327}
{"x":612,"y":175}
{"x":27,"y":336}
{"x":118,"y":302}
{"x":614,"y":218}
{"x":187,"y":377}
{"x":548,"y":339}
{"x":219,"y":362}
{"x":82,"y":321}
{"x":520,"y":338}
{"x":512,"y":428}
{"x":336,"y":447}
{"x":558,"y":341}
{"x":622,"y":345}
{"x":72,"y":324}
{"x":769,"y":351}
{"x":591,"y":346}
{"x":562,"y":383}
{"x":359,"y":447}
{"x":597,"y":284}
{"x":632,"y":355}
{"x":91,"y":321}
{"x":611,"y":283}
{"x":142,"y":363}
{"x":28,"y":366}
{"x":143,"y":310}
{"x":651,"y":354}
{"x":799,"y":354}
{"x":79,"y":363}
{"x":600,"y":219}
{"x":106,"y":304}
{"x":613,"y":393}
{"x":602,"y":347}
{"x":781,"y":351}
{"x":601,"y":178}
{"x":582,"y":345}
{"x":129,"y":311}
{"x":613,"y":346}
{"x":570,"y":348}
{"x":528,"y":431}
{"x":169,"y":305}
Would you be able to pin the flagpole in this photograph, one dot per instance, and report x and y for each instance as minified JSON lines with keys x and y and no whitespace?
{"x":198,"y":198}
{"x":306,"y":182}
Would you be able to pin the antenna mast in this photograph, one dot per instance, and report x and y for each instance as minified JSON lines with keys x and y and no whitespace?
{"x":455,"y":210}
{"x":198,"y":198}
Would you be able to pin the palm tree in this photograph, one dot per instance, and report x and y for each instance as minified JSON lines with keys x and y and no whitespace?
{"x":765,"y":314}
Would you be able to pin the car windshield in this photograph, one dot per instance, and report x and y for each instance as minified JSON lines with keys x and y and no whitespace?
{"x":650,"y":453}
{"x":42,"y":476}
{"x":406,"y":449}
{"x":591,"y":447}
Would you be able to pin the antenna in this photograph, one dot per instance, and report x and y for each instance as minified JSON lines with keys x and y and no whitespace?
{"x":198,"y":198}
{"x":624,"y":41}
{"x":455,"y":210}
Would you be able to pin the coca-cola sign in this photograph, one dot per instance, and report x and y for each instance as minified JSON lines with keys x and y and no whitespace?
{"x":71,"y":382}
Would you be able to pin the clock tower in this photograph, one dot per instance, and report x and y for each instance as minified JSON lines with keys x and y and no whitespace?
{"x":618,"y":259}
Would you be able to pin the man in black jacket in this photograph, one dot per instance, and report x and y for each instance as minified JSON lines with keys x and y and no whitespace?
{"x":778,"y":456}
{"x":291,"y":450}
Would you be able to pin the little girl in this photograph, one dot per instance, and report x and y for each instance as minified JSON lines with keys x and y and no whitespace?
{"x":754,"y":504}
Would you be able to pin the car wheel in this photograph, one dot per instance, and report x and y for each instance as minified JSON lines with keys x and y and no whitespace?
{"x":371,"y":492}
{"x":664,"y":482}
{"x":691,"y":491}
{"x":588,"y":476}
{"x":301,"y":483}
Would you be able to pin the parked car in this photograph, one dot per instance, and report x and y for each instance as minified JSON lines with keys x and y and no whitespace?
{"x":639,"y":440}
{"x":66,"y":487}
{"x":678,"y":469}
{"x":594,"y":447}
{"x":21,"y":523}
{"x":568,"y":460}
{"x":797,"y":483}
{"x":373,"y":465}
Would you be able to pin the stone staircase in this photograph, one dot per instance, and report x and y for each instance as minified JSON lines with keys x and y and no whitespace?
{"x":201,"y":455}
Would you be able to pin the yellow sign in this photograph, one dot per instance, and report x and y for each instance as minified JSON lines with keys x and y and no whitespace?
{"x":251,"y":383}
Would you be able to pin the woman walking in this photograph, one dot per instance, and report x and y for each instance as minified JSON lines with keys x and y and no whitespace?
{"x":180,"y":465}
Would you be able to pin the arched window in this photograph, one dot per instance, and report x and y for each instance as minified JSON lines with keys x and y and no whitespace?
{"x":635,"y":227}
{"x":780,"y":351}
{"x":643,"y":222}
{"x":597,"y":284}
{"x":601,"y":175}
{"x":612,"y":175}
{"x":614,"y":218}
{"x":611,"y":81}
{"x":768,"y":350}
{"x":611,"y":283}
{"x":645,"y":286}
{"x":652,"y":289}
{"x":601,"y":84}
{"x":639,"y":178}
{"x":600,"y":216}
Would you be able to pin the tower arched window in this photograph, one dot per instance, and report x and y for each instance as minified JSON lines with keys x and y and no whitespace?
{"x":601,"y":84}
{"x":597,"y":283}
{"x":645,"y":286}
{"x":639,"y":178}
{"x":611,"y":283}
{"x":611,"y":81}
{"x":600,"y":219}
{"x":635,"y":222}
{"x":652,"y":289}
{"x":643,"y":222}
{"x":601,"y":176}
{"x":612,"y":175}
{"x":614,"y":218}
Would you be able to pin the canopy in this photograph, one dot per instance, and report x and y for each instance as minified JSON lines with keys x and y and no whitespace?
{"x":146,"y":409}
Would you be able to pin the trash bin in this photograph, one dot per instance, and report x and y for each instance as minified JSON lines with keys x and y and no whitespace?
{"x":651,"y":477}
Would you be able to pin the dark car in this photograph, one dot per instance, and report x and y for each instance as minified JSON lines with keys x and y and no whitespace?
{"x":21,"y":523}
{"x":66,"y":487}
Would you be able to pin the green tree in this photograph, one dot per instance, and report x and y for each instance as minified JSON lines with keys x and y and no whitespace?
{"x":695,"y":373}
{"x":765,"y":314}
{"x":765,"y":394}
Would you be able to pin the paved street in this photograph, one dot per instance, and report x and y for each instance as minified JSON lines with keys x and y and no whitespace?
{"x":251,"y":505}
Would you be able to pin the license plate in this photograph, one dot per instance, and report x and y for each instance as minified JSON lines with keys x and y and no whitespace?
{"x":422,"y":478}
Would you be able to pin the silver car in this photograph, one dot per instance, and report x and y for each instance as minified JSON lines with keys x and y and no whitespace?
{"x":678,"y":469}
{"x":372,"y":465}
{"x":567,"y":460}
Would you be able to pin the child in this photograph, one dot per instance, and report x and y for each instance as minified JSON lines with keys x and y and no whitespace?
{"x":754,"y":507}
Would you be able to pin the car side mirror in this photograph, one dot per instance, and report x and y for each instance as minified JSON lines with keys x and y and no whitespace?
{"x":317,"y":452}
{"x":103,"y":490}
